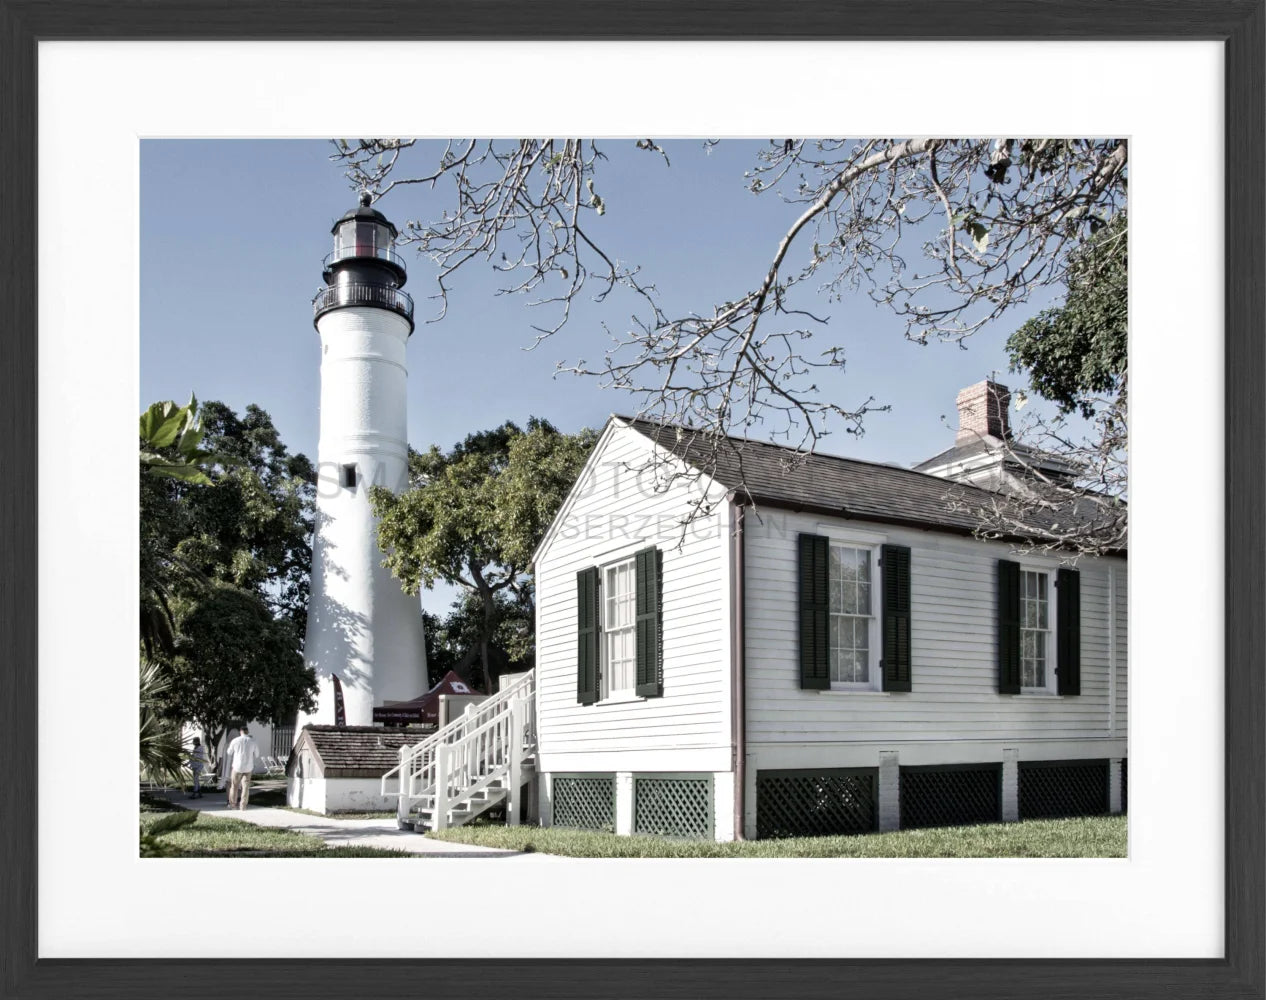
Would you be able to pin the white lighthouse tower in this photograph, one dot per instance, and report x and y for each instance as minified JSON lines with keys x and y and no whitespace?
{"x":362,"y":628}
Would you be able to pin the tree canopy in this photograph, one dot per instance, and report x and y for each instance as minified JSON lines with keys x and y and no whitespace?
{"x":225,"y":557}
{"x":475,"y":514}
{"x":1075,"y":355}
{"x":453,"y":640}
{"x":234,"y":661}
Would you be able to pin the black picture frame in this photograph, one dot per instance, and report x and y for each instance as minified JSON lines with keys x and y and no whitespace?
{"x":1238,"y":24}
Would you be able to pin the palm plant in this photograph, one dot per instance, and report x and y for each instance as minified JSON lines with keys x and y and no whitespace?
{"x":170,"y":437}
{"x":162,"y":748}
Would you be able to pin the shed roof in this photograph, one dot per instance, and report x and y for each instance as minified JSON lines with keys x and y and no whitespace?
{"x":358,"y":751}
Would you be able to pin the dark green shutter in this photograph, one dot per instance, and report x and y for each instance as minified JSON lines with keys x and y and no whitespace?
{"x":588,"y":636}
{"x":895,"y":567}
{"x":815,"y":596}
{"x":650,"y":619}
{"x":1068,"y":631}
{"x":1008,"y":627}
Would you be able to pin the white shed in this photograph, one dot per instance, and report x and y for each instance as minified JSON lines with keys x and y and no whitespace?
{"x":339,"y":768}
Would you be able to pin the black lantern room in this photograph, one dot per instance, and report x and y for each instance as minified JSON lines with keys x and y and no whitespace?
{"x":364,"y":269}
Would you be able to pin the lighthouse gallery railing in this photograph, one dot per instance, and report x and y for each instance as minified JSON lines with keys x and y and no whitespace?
{"x":362,"y":293}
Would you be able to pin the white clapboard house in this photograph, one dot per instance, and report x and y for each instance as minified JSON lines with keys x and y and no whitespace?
{"x":830,"y":649}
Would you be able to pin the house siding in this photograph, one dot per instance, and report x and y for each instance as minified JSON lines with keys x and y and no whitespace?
{"x":953,"y":640}
{"x":953,"y":714}
{"x":610,"y":515}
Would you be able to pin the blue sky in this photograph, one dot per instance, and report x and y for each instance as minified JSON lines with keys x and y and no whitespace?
{"x":233,"y":233}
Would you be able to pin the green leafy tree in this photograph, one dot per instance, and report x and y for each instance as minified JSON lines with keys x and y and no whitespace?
{"x":170,"y":439}
{"x":1076,"y":355}
{"x":453,"y":641}
{"x":234,"y":660}
{"x":225,"y":559}
{"x":254,"y":528}
{"x":473,"y":518}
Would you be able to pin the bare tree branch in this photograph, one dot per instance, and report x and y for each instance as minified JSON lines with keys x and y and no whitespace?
{"x":1010,"y":211}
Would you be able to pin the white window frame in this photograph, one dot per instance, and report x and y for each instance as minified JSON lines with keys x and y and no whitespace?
{"x":1051,"y":687}
{"x":605,"y":693}
{"x":872,"y":543}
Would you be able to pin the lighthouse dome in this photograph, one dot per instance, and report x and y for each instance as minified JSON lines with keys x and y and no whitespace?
{"x":365,"y":213}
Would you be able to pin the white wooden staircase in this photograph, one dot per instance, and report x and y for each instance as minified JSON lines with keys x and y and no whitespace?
{"x":480,"y":760}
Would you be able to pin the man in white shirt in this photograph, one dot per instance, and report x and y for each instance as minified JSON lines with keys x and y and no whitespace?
{"x":239,"y":762}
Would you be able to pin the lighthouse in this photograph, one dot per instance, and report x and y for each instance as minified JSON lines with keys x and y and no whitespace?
{"x":364,"y":635}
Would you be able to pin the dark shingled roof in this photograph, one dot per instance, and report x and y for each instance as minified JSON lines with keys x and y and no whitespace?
{"x":777,"y":476}
{"x":360,"y":751}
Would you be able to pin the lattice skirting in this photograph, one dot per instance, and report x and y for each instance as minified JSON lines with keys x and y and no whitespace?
{"x":1052,"y":789}
{"x":585,"y":802}
{"x":815,"y":803}
{"x":673,"y":806}
{"x":951,"y":795}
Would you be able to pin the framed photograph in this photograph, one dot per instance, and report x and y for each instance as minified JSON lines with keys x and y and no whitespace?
{"x":90,"y":241}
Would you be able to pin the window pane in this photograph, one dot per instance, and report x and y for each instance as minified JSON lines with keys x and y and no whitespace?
{"x":836,"y":641}
{"x":848,"y":564}
{"x":863,"y":565}
{"x":837,"y":592}
{"x":861,"y":634}
{"x":849,"y":603}
{"x":863,"y":598}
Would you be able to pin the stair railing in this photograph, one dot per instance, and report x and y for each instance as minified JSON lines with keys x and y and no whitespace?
{"x":418,"y":771}
{"x":465,"y":768}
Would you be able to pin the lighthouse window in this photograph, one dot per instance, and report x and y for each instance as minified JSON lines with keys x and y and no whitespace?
{"x":366,"y":239}
{"x":349,"y":476}
{"x":347,"y":239}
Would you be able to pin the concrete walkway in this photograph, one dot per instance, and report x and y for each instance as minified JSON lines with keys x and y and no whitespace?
{"x":336,"y":832}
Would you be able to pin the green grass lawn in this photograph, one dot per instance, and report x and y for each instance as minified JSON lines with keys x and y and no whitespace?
{"x":221,"y":837}
{"x":1089,"y":837}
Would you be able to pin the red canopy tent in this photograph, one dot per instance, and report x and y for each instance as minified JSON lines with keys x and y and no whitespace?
{"x":424,"y":709}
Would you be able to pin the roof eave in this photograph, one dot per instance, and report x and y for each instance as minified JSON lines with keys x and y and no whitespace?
{"x":797,"y":507}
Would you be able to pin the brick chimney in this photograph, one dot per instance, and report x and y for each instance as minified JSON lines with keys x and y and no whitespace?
{"x":982,"y":410}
